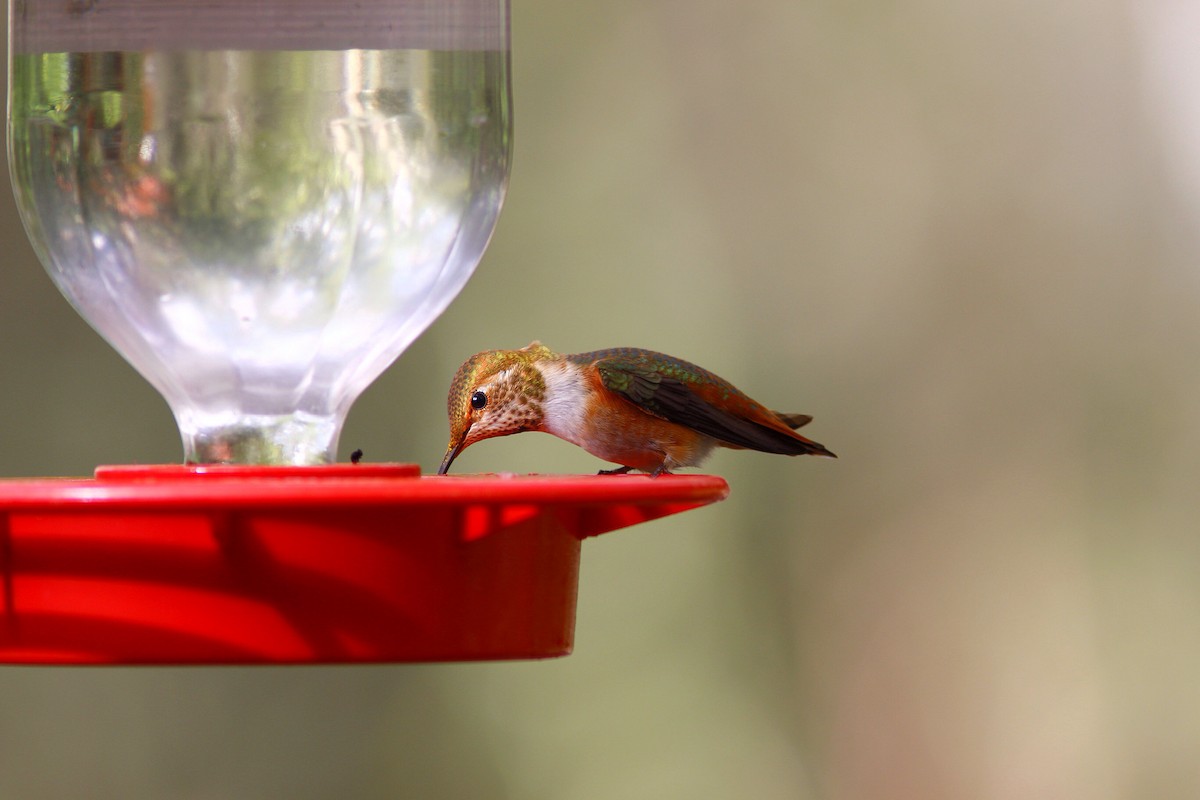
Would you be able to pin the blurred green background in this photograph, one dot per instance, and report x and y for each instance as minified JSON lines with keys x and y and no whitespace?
{"x":962,"y":234}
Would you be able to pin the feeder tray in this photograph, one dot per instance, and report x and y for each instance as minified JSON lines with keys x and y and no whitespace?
{"x":306,"y":565}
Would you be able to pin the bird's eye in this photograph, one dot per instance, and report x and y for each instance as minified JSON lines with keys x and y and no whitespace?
{"x":478,"y":400}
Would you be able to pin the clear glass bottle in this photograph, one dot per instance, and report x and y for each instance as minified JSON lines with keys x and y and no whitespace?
{"x":260,"y":205}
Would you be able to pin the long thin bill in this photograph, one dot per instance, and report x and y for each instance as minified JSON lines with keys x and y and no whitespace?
{"x":451,"y":453}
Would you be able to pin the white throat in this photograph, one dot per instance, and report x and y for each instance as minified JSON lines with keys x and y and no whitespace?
{"x":564,"y":408}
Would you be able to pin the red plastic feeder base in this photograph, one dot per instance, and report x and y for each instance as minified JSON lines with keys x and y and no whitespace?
{"x":305,"y":565}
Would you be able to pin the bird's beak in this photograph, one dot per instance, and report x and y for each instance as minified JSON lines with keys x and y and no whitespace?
{"x":451,"y":453}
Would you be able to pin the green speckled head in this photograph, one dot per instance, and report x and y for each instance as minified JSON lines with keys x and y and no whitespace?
{"x":495,"y":393}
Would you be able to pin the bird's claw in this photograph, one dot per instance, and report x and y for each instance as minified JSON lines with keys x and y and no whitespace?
{"x":661,"y":470}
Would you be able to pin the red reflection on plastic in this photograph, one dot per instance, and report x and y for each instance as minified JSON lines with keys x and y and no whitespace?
{"x":347,"y":563}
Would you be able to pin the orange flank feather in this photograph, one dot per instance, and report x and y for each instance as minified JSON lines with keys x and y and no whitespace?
{"x":633,"y":437}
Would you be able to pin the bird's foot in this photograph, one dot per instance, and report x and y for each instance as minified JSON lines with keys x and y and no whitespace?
{"x":614,"y":471}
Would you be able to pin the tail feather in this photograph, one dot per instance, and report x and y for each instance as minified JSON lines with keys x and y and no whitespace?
{"x":811,"y":448}
{"x":794,"y":421}
{"x":775,"y":438}
{"x":798,"y":445}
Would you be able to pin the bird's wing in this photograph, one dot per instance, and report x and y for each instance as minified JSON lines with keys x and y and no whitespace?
{"x":691,"y":396}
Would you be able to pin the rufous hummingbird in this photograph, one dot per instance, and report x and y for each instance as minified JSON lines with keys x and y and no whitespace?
{"x":637,"y":408}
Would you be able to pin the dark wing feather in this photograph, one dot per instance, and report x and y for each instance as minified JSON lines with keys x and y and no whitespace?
{"x":675,"y":390}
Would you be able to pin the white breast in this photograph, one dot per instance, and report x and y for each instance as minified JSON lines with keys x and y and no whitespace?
{"x":566,"y":402}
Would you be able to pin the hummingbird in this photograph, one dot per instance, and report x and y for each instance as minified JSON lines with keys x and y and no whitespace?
{"x":637,"y":408}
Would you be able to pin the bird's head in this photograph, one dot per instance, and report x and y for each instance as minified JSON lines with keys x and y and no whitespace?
{"x":495,"y":393}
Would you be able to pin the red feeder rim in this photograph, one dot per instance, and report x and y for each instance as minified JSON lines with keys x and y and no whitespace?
{"x":214,"y":564}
